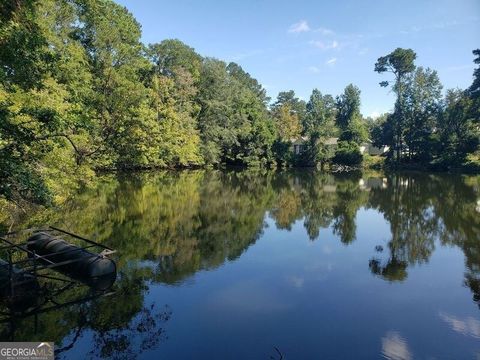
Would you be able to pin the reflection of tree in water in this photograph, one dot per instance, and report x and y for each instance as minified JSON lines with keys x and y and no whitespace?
{"x":184,"y":221}
{"x":321,"y":200}
{"x":392,"y":270}
{"x":118,"y":341}
{"x":287,"y":209}
{"x":122,"y":326}
{"x":169,"y":225}
{"x":143,"y":332}
{"x":350,"y":199}
{"x":123,"y":329}
{"x":457,"y":205}
{"x":235,"y":220}
{"x":422,"y":208}
{"x":406,"y":204}
{"x":192,"y":220}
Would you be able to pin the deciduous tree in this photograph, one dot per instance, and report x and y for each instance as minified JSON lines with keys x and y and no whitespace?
{"x":400,"y":63}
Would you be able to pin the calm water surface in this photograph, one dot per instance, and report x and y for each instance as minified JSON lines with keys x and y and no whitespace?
{"x":252,"y":265}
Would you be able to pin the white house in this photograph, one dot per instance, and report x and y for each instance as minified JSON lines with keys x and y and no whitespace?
{"x":298,"y":146}
{"x":370,"y":149}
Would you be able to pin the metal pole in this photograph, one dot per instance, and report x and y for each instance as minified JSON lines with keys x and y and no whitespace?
{"x":82,"y":238}
{"x":10,"y":273}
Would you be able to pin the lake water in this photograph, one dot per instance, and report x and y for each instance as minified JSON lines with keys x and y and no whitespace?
{"x":265,"y":265}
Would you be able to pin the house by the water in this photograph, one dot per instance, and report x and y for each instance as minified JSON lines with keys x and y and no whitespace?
{"x":299,"y":145}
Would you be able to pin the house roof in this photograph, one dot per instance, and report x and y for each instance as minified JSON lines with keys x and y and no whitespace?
{"x":303,"y":139}
{"x":299,"y":141}
{"x":331,"y":141}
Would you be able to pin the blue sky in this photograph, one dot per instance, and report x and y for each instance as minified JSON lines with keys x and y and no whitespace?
{"x":301,"y":45}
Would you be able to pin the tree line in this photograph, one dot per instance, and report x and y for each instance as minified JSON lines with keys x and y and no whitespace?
{"x":200,"y":230}
{"x":79,"y":92}
{"x":426,"y":128}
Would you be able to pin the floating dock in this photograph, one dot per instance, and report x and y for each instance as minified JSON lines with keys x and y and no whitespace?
{"x":54,"y":255}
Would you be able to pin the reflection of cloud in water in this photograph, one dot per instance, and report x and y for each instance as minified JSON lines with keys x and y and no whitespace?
{"x":249,"y":296}
{"x":468,"y":326}
{"x":319,"y":266}
{"x":296,"y":281}
{"x":320,"y":270}
{"x":327,"y":249}
{"x":395,"y":347}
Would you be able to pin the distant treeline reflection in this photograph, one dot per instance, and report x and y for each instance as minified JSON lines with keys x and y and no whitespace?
{"x":167,"y":226}
{"x":190,"y":220}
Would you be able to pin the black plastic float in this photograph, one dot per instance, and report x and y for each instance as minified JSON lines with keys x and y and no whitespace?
{"x":43,"y":270}
{"x":46,"y":250}
{"x":71,"y":259}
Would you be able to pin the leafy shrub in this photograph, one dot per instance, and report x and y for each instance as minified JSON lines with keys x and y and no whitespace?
{"x":348,"y":154}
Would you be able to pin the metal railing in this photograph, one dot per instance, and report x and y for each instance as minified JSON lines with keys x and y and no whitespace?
{"x":27,"y":266}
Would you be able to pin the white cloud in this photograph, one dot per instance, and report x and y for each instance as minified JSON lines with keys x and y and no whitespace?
{"x":324,"y":31}
{"x":324,"y":45}
{"x":314,"y":69}
{"x":331,"y":62}
{"x":247,"y":54}
{"x":301,"y":26}
{"x":363,"y":51}
{"x":375,"y":114}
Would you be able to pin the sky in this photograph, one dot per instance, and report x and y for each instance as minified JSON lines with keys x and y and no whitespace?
{"x":305,"y":44}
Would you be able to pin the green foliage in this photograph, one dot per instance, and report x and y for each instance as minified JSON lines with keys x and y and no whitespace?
{"x":289,"y":99}
{"x":282,"y":152}
{"x":176,"y":138}
{"x":255,"y":142}
{"x":234,"y":125}
{"x":79,"y":92}
{"x":377,"y":129}
{"x":423,"y":107}
{"x":472,"y":162}
{"x":24,"y":55}
{"x":111,"y":38}
{"x":373,"y":162}
{"x":348,"y":153}
{"x":400,"y":63}
{"x":318,"y":152}
{"x":287,"y":122}
{"x":176,"y":72}
{"x":458,"y":132}
{"x":320,"y":115}
{"x":349,"y":120}
{"x":425,"y":129}
{"x":171,"y":55}
{"x":474,"y":89}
